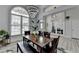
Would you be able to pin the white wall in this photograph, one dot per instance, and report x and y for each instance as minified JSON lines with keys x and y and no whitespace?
{"x":49,"y":23}
{"x":72,"y":25}
{"x":59,"y":20}
{"x":4,"y":17}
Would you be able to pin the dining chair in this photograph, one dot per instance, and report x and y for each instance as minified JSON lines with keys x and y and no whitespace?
{"x":53,"y":48}
{"x":54,"y":45}
{"x":40,"y":33}
{"x":27,"y":33}
{"x":47,"y":34}
{"x":25,"y":40}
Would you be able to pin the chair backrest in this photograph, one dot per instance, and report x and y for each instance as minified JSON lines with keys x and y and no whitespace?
{"x":27,"y":33}
{"x":55,"y":42}
{"x":40,"y":33}
{"x":54,"y":45}
{"x":47,"y":34}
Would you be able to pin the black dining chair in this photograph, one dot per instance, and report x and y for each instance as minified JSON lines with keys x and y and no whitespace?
{"x":55,"y":44}
{"x":27,"y":33}
{"x":25,"y":40}
{"x":47,"y":34}
{"x":53,"y":48}
{"x":40,"y":33}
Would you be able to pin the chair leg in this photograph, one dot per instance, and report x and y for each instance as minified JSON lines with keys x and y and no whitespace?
{"x":17,"y":48}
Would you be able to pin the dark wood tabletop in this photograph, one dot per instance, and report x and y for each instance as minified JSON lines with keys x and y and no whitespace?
{"x":38,"y":40}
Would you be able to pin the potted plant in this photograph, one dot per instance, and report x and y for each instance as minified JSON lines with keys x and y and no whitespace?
{"x":2,"y":33}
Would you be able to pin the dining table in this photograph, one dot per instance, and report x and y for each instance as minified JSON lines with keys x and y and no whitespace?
{"x":39,"y":41}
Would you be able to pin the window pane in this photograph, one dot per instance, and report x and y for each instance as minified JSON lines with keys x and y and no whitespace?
{"x":25,"y":24}
{"x":25,"y":28}
{"x":15,"y":30}
{"x":25,"y":21}
{"x":16,"y":20}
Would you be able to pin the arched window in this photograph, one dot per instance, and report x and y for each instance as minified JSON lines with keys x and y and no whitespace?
{"x":19,"y":21}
